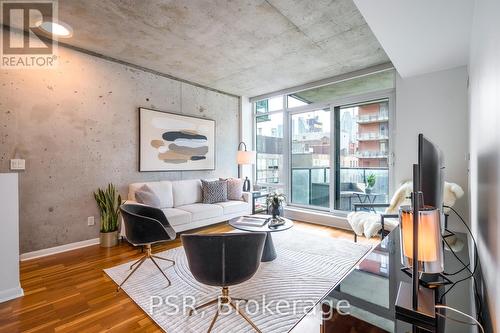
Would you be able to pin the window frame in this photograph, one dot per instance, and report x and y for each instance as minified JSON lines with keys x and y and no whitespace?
{"x":287,"y":113}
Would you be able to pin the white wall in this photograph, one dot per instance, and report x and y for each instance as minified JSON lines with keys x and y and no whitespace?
{"x":484,"y":70}
{"x":9,"y":237}
{"x":434,"y":104}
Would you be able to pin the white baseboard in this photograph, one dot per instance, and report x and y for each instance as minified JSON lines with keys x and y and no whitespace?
{"x":7,"y":295}
{"x":317,"y":217}
{"x":58,"y":249}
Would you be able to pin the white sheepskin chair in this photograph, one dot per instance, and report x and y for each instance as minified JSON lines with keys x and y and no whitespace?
{"x":370,"y":224}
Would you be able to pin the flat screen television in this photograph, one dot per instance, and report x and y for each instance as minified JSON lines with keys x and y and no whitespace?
{"x":431,"y":172}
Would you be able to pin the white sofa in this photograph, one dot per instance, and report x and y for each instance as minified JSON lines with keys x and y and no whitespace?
{"x":181,"y":203}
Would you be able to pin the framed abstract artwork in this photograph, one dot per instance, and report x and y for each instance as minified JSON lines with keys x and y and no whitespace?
{"x":173,"y":142}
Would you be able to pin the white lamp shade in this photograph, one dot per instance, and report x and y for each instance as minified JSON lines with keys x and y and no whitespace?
{"x":245,"y":157}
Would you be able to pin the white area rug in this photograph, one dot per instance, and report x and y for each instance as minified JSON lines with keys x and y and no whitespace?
{"x":307,"y":267}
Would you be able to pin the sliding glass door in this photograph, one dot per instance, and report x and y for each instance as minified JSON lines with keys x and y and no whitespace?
{"x":362,"y":154}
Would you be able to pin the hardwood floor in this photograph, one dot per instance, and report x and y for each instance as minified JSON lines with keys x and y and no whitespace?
{"x":69,"y":292}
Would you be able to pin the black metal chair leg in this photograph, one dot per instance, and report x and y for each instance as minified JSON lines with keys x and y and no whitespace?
{"x":130,"y":274}
{"x":162,"y":272}
{"x":213,"y":321}
{"x":248,"y":320}
{"x":135,"y":263}
{"x":166,"y":259}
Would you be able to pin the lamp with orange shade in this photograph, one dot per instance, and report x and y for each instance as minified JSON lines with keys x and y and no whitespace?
{"x":430,"y":251}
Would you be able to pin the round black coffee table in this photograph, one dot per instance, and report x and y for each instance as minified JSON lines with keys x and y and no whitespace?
{"x":269,"y":253}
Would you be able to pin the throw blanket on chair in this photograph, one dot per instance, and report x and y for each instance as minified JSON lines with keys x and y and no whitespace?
{"x":369,"y":223}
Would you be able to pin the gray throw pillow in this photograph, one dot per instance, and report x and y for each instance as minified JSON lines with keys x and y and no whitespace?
{"x":146,"y":196}
{"x":234,"y":188}
{"x":214,"y":191}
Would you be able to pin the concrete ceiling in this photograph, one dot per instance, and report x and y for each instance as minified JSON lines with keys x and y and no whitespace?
{"x":421,"y":36}
{"x":241,"y":47}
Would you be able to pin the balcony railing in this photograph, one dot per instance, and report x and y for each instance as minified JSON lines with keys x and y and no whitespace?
{"x":311,"y":187}
{"x":373,"y":118}
{"x":371,"y":154}
{"x":372,"y":136}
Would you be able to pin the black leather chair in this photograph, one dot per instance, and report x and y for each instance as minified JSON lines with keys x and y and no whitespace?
{"x":224,"y":260}
{"x":145,"y":226}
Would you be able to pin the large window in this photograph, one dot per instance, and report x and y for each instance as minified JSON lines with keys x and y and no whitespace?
{"x":333,"y":140}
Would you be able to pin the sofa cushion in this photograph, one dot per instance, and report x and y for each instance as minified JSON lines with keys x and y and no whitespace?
{"x":186,"y":192}
{"x":234,"y":206}
{"x":201,"y":211}
{"x":234,"y":188}
{"x":177,"y":216}
{"x":146,"y":196}
{"x":213,"y":191}
{"x":162,"y":189}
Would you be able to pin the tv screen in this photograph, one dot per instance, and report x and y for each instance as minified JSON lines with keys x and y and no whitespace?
{"x":431,"y":172}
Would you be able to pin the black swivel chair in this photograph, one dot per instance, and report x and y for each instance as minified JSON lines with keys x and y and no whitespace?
{"x":224,"y":260}
{"x":145,"y":226}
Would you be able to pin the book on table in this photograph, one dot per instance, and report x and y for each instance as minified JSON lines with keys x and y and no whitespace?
{"x":251,"y":221}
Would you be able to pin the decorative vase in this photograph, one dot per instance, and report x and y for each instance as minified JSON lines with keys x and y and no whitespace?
{"x":276,"y":211}
{"x":368,"y":190}
{"x":108,"y":239}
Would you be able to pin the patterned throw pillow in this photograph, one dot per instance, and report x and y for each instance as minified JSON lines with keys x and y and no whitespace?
{"x":214,"y":191}
{"x":146,"y":196}
{"x":234,"y":188}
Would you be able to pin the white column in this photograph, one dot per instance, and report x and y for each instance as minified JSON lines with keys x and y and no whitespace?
{"x":10,"y":286}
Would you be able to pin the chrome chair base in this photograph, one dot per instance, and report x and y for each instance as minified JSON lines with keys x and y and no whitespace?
{"x":225,"y":300}
{"x":140,"y":261}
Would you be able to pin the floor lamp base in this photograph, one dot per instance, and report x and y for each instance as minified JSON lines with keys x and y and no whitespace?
{"x":425,"y":315}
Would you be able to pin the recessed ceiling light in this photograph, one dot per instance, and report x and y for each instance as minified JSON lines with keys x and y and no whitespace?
{"x":56,"y":28}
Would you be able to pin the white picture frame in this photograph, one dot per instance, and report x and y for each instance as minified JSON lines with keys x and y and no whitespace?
{"x":174,"y":142}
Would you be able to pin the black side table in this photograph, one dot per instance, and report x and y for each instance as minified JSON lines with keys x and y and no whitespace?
{"x":255,"y":197}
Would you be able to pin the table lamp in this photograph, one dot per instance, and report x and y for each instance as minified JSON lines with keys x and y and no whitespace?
{"x":245,"y":157}
{"x":420,"y":231}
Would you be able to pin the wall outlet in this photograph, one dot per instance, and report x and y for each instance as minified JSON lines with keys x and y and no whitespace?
{"x":17,"y":164}
{"x":90,"y":221}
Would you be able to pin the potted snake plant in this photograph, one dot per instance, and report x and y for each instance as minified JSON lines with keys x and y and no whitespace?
{"x":370,"y":183}
{"x":108,"y":201}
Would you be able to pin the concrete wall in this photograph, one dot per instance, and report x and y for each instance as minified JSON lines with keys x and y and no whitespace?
{"x":77,"y":128}
{"x":434,"y":104}
{"x":484,"y":71}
